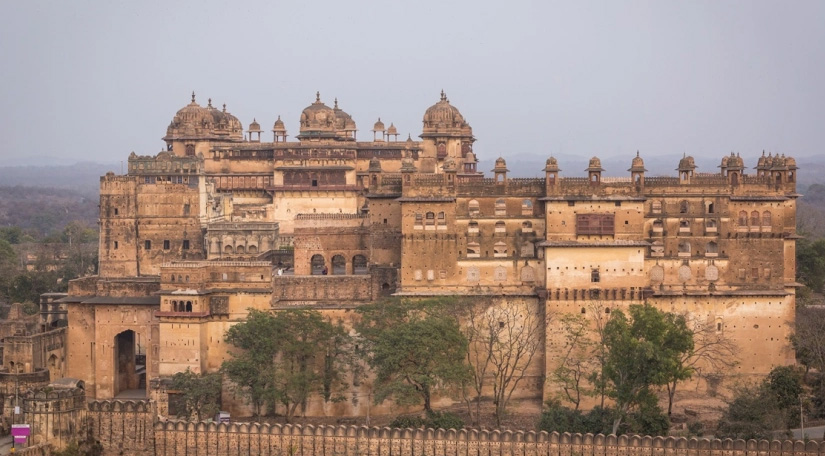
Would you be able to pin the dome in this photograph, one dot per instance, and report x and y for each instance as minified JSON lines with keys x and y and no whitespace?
{"x":637,"y":165}
{"x":762,"y":163}
{"x":375,"y":165}
{"x":443,"y":119}
{"x":279,"y":126}
{"x":734,"y":162}
{"x":595,"y":165}
{"x":725,"y":161}
{"x":317,"y":120}
{"x":254,"y":127}
{"x":196,"y":122}
{"x":552,"y":165}
{"x":687,"y":163}
{"x":379,"y":126}
{"x":779,"y":163}
{"x":343,"y":121}
{"x":790,"y":162}
{"x":392,"y":130}
{"x":501,"y":162}
{"x":470,"y":158}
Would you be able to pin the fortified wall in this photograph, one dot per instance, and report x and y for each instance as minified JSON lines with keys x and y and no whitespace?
{"x":178,"y":438}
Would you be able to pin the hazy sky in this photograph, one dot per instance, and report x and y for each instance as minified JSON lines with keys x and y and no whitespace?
{"x":95,"y":80}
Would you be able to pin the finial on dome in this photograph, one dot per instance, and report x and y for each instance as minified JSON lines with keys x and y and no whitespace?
{"x":193,"y":96}
{"x":637,"y":152}
{"x":336,"y":103}
{"x":443,"y":95}
{"x":224,"y":107}
{"x":317,"y":96}
{"x":210,"y":103}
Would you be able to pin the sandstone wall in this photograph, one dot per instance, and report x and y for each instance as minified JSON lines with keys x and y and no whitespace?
{"x":123,"y":427}
{"x":178,"y":438}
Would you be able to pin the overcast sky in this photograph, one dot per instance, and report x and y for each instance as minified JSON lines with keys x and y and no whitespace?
{"x":96,"y":80}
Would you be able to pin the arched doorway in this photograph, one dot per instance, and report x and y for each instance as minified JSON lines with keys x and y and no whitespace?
{"x":317,"y":264}
{"x":129,"y":375}
{"x":339,"y":265}
{"x":359,"y":264}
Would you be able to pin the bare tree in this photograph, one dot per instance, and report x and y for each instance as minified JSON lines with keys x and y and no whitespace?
{"x":713,"y":354}
{"x":479,"y":354}
{"x":577,"y":359}
{"x":808,"y":338}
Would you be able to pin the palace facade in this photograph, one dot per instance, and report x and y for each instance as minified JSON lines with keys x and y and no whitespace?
{"x":224,"y":220}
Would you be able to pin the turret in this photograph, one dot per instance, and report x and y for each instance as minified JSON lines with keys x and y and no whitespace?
{"x":551,"y":175}
{"x":637,"y":172}
{"x":594,"y":171}
{"x":500,"y":171}
{"x":686,"y":167}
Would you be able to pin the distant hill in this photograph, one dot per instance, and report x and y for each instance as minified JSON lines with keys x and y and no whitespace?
{"x":46,"y":211}
{"x":82,"y":177}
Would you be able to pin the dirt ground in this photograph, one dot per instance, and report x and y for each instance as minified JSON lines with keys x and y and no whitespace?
{"x":524,"y":415}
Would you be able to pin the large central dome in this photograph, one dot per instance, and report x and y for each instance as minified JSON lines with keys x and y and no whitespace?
{"x":196,"y":122}
{"x":444,"y":120}
{"x":319,"y":121}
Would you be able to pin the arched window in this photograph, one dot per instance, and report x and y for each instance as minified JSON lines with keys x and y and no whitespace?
{"x":419,"y":220}
{"x":711,"y":249}
{"x":743,"y":218}
{"x":528,"y":250}
{"x":473,"y":250}
{"x":709,"y":207}
{"x":359,"y":264}
{"x":500,"y":250}
{"x":658,"y":225}
{"x":500,"y":227}
{"x":684,"y":248}
{"x":527,"y":226}
{"x":317,"y":265}
{"x":501,"y":207}
{"x":430,"y":219}
{"x":595,"y":277}
{"x":239,"y":249}
{"x":472,"y":228}
{"x":766,"y":218}
{"x":442,"y":219}
{"x":228,"y":250}
{"x":473,"y":208}
{"x":188,"y":306}
{"x":684,"y":226}
{"x":526,"y":207}
{"x":683,"y":207}
{"x":710,"y":223}
{"x":656,"y":207}
{"x":190,"y":150}
{"x":755,"y":218}
{"x":528,"y":274}
{"x":173,"y":277}
{"x":339,"y":265}
{"x":174,"y":306}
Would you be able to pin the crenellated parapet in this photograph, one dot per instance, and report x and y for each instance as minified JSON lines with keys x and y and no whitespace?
{"x":176,"y":437}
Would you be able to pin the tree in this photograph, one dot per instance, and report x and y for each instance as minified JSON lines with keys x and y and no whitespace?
{"x":200,"y":394}
{"x":712,"y":354}
{"x":286,"y":357}
{"x":757,"y":411}
{"x":503,"y":339}
{"x":577,"y":360}
{"x":808,"y":338}
{"x":415,"y":349}
{"x":810,"y":264}
{"x":641,"y":352}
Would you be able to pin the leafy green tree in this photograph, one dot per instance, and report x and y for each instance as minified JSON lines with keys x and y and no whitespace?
{"x":286,"y":357}
{"x":642,"y":352}
{"x":415,"y":349}
{"x":577,"y":360}
{"x":809,"y":339}
{"x":200,"y":394}
{"x":751,"y":414}
{"x":810,"y":264}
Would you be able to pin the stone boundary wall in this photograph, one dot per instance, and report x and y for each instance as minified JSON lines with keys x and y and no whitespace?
{"x":123,"y":426}
{"x":196,"y":439}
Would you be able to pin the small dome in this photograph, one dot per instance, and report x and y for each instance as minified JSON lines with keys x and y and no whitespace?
{"x":254,"y":127}
{"x":790,"y":162}
{"x":279,"y":126}
{"x":595,"y":165}
{"x":687,"y":163}
{"x":196,"y":122}
{"x":379,"y":126}
{"x":501,"y":163}
{"x":779,"y":163}
{"x":552,"y":165}
{"x":444,"y":119}
{"x":762,"y":162}
{"x":392,"y":130}
{"x":733,"y":162}
{"x":637,"y":165}
{"x":343,"y":121}
{"x":470,"y":157}
{"x":375,"y":165}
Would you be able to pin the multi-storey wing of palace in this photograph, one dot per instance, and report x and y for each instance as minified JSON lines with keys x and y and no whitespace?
{"x":223,"y":221}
